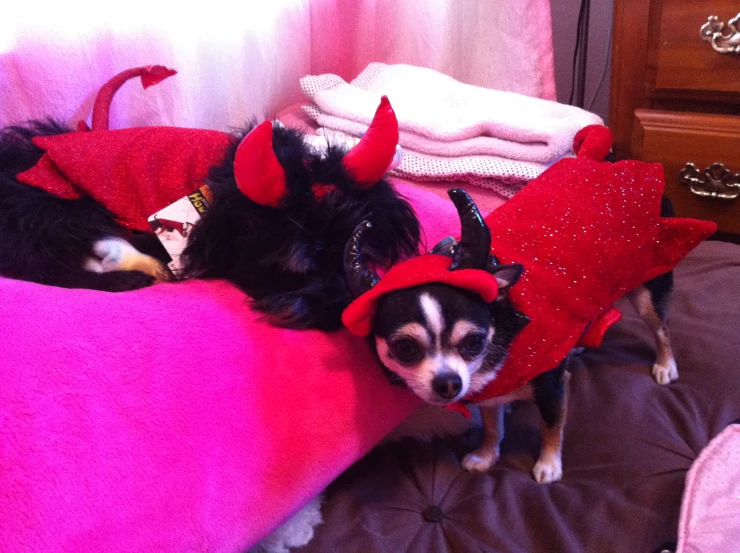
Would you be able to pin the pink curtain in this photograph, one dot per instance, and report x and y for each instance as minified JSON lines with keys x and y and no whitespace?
{"x":239,"y":59}
{"x":501,"y":44}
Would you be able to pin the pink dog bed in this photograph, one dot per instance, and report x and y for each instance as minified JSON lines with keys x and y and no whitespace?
{"x":173,"y":419}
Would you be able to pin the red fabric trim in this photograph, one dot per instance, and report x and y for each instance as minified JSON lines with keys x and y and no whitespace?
{"x":594,"y":334}
{"x":424,"y":269}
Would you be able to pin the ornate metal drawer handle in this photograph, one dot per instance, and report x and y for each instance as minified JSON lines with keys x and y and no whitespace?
{"x":725,"y":39}
{"x":716,"y":181}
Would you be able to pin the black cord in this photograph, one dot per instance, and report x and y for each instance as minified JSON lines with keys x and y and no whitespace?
{"x":578,"y":55}
{"x":583,"y":61}
{"x":607,"y":63}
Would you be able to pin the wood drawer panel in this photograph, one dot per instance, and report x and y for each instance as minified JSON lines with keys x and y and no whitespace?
{"x":675,"y":139}
{"x":685,"y":62}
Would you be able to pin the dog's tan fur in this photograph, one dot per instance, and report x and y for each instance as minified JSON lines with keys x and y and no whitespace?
{"x":116,"y":254}
{"x":665,"y":369}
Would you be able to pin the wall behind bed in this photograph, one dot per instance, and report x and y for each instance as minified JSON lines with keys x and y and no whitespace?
{"x":241,"y":59}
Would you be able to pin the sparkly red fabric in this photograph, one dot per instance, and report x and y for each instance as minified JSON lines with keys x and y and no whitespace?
{"x":132,"y":172}
{"x":587,"y":232}
{"x":416,"y":271}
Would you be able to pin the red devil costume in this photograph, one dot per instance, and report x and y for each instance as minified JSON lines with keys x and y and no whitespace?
{"x":136,"y":172}
{"x":586,"y":231}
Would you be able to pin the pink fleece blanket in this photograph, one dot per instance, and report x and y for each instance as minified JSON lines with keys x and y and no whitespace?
{"x":710,"y":512}
{"x":171,"y":419}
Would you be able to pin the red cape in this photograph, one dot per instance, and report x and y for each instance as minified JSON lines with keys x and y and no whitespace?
{"x":133,"y":172}
{"x":587,"y":233}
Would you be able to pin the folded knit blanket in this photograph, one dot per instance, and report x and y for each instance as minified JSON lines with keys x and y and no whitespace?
{"x":441,"y":116}
{"x":450,"y":131}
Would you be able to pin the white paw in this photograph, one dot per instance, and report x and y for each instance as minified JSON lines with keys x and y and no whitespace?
{"x":297,"y":531}
{"x":111,"y":252}
{"x":667,"y":373}
{"x":548,"y":470}
{"x":480,"y":461}
{"x":93,"y":265}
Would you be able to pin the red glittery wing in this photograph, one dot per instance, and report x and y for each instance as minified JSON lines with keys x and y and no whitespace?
{"x":587,"y":233}
{"x":132,"y":172}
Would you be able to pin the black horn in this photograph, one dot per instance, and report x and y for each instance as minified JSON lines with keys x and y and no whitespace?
{"x":474,"y":248}
{"x":359,"y":278}
{"x":446,"y":246}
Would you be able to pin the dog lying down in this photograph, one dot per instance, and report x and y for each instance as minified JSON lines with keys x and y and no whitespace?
{"x":74,"y":207}
{"x":284,"y":227}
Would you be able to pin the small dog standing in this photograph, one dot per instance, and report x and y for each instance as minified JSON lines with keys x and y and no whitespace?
{"x":448,"y":338}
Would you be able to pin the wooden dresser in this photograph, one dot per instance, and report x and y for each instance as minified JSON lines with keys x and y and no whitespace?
{"x":675,"y":99}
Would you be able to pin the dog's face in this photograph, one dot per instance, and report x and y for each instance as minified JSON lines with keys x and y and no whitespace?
{"x":444,"y":342}
{"x":441,"y":341}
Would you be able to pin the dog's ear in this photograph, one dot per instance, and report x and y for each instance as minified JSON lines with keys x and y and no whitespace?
{"x":507,"y":276}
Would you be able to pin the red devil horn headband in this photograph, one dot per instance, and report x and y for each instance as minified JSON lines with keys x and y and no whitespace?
{"x":261,"y":178}
{"x":257,"y":171}
{"x":369,"y":160}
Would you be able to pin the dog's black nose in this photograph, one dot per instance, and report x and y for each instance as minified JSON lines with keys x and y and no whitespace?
{"x":447,"y":386}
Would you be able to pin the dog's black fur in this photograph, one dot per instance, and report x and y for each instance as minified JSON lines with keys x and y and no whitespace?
{"x":287,"y":259}
{"x":44,"y":238}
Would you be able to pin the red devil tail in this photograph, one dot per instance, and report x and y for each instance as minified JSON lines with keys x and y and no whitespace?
{"x":150,"y":75}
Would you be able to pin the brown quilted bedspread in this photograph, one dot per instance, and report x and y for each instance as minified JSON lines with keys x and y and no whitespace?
{"x":628,"y":445}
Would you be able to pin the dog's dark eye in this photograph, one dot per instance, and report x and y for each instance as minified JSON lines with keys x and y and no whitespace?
{"x":472,"y":345}
{"x":407,"y":350}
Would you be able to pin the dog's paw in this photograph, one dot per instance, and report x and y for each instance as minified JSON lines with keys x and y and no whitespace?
{"x":113,"y":253}
{"x":93,"y":265}
{"x":297,"y":531}
{"x":665,"y":373}
{"x":548,"y":470}
{"x":480,"y":460}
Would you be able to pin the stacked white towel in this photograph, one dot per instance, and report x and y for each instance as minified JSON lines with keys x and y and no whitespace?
{"x":450,"y":131}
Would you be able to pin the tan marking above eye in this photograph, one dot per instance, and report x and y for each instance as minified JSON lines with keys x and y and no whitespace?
{"x":412,"y":330}
{"x":463,"y":328}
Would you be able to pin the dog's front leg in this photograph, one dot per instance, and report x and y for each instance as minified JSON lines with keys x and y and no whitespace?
{"x":487,"y":454}
{"x":551,"y":396}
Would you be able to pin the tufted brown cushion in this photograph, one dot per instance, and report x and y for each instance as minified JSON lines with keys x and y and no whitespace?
{"x":628,"y":445}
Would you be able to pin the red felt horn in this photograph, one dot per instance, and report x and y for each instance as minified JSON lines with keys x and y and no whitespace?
{"x":257,"y":171}
{"x":369,"y":160}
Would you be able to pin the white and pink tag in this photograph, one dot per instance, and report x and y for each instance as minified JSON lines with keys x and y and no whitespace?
{"x":173,"y":224}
